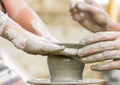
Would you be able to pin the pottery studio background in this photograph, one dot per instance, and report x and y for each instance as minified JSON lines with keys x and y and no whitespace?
{"x":55,"y":14}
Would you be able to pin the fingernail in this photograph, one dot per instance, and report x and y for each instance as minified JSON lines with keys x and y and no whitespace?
{"x":80,"y":53}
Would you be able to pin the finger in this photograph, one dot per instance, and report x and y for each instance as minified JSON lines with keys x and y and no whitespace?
{"x":96,"y":48}
{"x":98,"y":13}
{"x":42,"y":47}
{"x":90,"y":25}
{"x":78,"y":16}
{"x":107,"y":55}
{"x":107,"y":66}
{"x":69,"y":52}
{"x":75,"y":15}
{"x":88,"y":8}
{"x":73,"y":4}
{"x":81,"y":18}
{"x":99,"y":37}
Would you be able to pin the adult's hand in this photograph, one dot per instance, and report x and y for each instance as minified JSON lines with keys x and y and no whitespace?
{"x":90,"y":15}
{"x":100,"y":47}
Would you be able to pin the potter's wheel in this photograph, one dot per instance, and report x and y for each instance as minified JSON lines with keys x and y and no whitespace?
{"x":84,"y":81}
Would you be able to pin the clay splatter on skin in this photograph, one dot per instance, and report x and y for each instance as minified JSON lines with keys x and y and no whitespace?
{"x":95,"y":18}
{"x":13,"y":36}
{"x":71,"y":52}
{"x":106,"y":66}
{"x":40,"y":27}
{"x":101,"y":46}
{"x":31,"y":43}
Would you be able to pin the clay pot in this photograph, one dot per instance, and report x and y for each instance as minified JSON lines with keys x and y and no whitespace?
{"x":65,"y":69}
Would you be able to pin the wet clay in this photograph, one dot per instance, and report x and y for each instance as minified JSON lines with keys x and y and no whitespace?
{"x":65,"y":69}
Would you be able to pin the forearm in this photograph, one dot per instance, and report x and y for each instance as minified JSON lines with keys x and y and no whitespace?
{"x":29,"y":20}
{"x":20,"y":12}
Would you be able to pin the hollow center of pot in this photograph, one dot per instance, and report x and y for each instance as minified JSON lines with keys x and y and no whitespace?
{"x":65,"y":69}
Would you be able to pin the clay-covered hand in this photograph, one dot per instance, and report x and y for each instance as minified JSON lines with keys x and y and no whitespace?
{"x":90,"y":15}
{"x":29,"y":42}
{"x":100,"y":47}
{"x":39,"y":45}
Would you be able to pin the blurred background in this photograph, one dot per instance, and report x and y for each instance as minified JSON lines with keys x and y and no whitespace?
{"x":55,"y":14}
